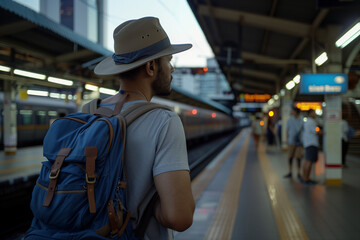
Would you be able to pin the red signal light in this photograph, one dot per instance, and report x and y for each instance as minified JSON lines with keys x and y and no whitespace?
{"x":213,"y":115}
{"x":194,"y":111}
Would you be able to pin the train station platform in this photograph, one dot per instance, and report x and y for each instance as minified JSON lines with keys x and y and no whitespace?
{"x":242,"y":194}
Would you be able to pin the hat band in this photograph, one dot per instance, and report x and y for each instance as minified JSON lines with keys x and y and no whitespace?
{"x":141,"y":53}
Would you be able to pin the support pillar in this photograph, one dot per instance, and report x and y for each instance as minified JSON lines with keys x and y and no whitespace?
{"x":333,"y":115}
{"x":10,"y":121}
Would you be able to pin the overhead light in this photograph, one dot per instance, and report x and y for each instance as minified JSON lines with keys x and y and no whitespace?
{"x":107,"y":91}
{"x":91,"y":87}
{"x":38,"y":93}
{"x":271,"y":101}
{"x":60,"y":81}
{"x":4,"y":68}
{"x":321,"y":59}
{"x":276,"y":97}
{"x":290,"y":85}
{"x":357,"y":101}
{"x":349,"y":36}
{"x":296,"y":79}
{"x":55,"y":95}
{"x":29,"y":74}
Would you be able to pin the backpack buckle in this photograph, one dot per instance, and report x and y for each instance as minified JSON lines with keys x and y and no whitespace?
{"x":56,"y":175}
{"x":91,"y":180}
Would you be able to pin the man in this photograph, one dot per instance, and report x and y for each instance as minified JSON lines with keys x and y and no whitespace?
{"x":311,"y":145}
{"x":155,"y":154}
{"x":293,"y":132}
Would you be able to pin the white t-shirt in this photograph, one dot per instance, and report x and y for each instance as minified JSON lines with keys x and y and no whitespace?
{"x":310,"y":137}
{"x":155,"y":144}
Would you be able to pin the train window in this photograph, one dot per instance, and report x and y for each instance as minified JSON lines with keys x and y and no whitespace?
{"x":25,"y":116}
{"x":41,"y":117}
{"x":52,"y":113}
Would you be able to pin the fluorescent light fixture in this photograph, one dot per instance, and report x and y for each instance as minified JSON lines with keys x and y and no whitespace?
{"x":321,"y":59}
{"x":271,"y":101}
{"x":296,"y":79}
{"x":4,"y":68}
{"x":38,"y":93}
{"x":357,"y":101}
{"x":276,"y":97}
{"x":29,"y":74}
{"x":91,"y":87}
{"x":349,"y":36}
{"x":55,"y":95}
{"x":290,"y":85}
{"x":107,"y":91}
{"x":60,"y":81}
{"x":63,"y":96}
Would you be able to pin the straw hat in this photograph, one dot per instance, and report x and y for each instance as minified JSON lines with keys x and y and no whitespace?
{"x":137,"y":42}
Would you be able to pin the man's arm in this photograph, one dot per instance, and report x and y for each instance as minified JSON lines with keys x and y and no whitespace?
{"x":175,"y":207}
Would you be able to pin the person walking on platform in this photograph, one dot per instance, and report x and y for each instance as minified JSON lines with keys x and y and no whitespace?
{"x":293,"y":135}
{"x":311,"y":145}
{"x":155,"y":154}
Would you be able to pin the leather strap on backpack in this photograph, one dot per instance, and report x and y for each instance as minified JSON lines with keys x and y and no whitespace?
{"x":91,"y":154}
{"x":54,"y":174}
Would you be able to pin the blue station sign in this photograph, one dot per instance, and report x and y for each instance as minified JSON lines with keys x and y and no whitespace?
{"x":323,"y":83}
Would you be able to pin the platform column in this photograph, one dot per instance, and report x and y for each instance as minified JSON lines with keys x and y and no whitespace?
{"x":333,"y":115}
{"x":10,"y":121}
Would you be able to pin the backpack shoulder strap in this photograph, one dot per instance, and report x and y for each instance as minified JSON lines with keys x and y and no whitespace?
{"x":132,"y":113}
{"x":91,"y":106}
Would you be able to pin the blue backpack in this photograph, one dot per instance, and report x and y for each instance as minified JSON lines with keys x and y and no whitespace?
{"x":80,"y":193}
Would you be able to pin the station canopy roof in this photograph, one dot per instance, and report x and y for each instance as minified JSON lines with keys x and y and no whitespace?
{"x":32,"y":42}
{"x":262,"y":44}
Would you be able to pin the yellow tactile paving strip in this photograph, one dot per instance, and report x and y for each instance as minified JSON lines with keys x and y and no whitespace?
{"x":224,"y":219}
{"x":287,"y":221}
{"x":199,"y":184}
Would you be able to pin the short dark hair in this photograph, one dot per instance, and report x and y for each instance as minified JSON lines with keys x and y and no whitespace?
{"x":133,"y":72}
{"x":297,"y":110}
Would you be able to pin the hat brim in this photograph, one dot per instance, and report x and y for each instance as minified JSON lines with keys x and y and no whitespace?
{"x":108,"y":66}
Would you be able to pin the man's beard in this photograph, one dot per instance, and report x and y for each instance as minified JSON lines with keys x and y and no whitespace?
{"x":159,"y":86}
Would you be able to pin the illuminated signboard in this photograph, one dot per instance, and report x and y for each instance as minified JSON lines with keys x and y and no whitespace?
{"x":323,"y":83}
{"x":304,"y":106}
{"x":255,"y":97}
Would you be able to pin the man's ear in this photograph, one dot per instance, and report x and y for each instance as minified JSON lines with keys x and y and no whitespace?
{"x":150,"y":68}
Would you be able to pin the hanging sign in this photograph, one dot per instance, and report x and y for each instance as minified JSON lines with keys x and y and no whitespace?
{"x":323,"y":83}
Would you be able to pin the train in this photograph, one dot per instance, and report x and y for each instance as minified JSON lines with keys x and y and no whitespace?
{"x":35,"y":115}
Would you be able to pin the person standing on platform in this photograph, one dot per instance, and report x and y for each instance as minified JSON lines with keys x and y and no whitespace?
{"x":293,"y":135}
{"x":311,"y":145}
{"x":257,"y":130}
{"x":155,"y":155}
{"x":344,"y":140}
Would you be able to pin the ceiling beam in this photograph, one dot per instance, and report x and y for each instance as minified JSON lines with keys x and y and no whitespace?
{"x":26,"y":48}
{"x":75,"y":55}
{"x":265,"y":22}
{"x":258,"y":74}
{"x":261,"y":59}
{"x":15,"y":27}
